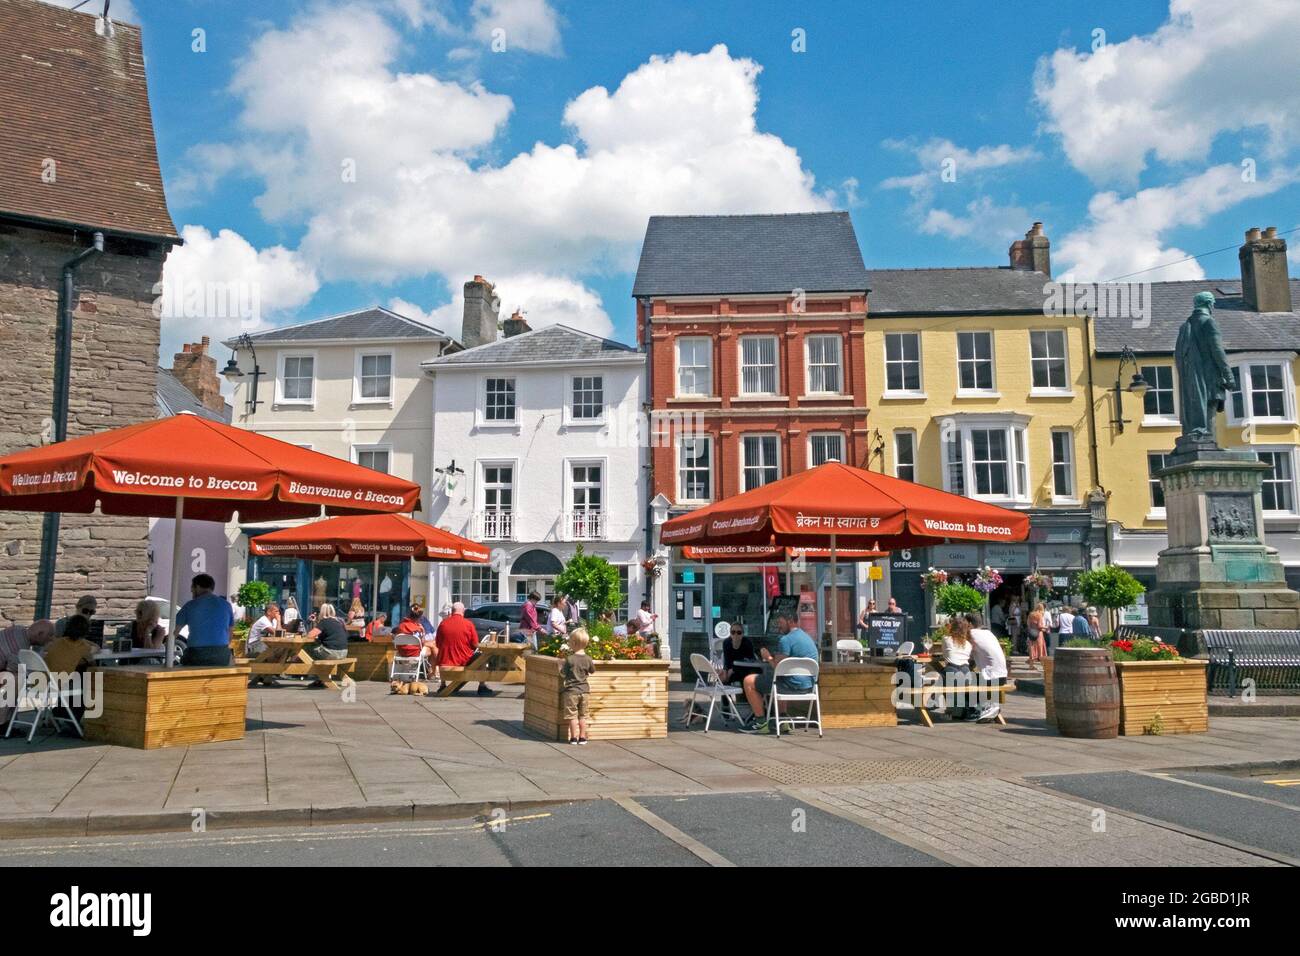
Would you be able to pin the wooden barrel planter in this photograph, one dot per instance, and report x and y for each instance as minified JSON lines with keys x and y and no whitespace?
{"x":1085,"y":693}
{"x":629,"y":699}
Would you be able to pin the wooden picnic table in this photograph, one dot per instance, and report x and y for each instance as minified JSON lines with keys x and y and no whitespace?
{"x":286,"y":656}
{"x":499,"y":662}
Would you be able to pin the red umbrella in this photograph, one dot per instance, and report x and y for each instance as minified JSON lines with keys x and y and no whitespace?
{"x":376,"y":535}
{"x":187,"y":466}
{"x":834,"y":505}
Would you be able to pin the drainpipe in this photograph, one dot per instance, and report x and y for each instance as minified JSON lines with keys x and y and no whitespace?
{"x":647,"y":575}
{"x":62,"y":386}
{"x":1092,"y":416}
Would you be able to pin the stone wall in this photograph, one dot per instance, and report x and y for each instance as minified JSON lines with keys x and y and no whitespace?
{"x":114,"y":378}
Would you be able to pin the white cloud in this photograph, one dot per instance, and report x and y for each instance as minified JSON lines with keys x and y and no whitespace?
{"x":984,"y":220}
{"x":677,"y":135}
{"x":937,"y":156}
{"x":544,"y":300}
{"x":1213,"y":67}
{"x":530,"y":25}
{"x":225,"y":286}
{"x":1125,"y":235}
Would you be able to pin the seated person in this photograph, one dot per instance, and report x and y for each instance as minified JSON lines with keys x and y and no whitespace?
{"x":13,"y":639}
{"x":145,"y":631}
{"x":794,"y":642}
{"x":268,"y":623}
{"x":330,"y":635}
{"x":378,"y":627}
{"x":87,"y":604}
{"x":211,"y":623}
{"x":738,"y":648}
{"x":990,"y":663}
{"x":457,"y":643}
{"x":957,"y":648}
{"x":74,"y":651}
{"x":292,"y":621}
{"x":412,"y":626}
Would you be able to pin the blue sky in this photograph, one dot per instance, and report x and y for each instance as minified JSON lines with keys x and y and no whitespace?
{"x":1138,"y":133}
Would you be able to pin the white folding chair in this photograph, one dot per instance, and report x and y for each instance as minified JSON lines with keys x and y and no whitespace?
{"x":709,"y":686}
{"x":905,"y":649}
{"x":848,"y":650}
{"x":715,"y":652}
{"x":795,"y":667}
{"x":42,"y":693}
{"x":408,"y":669}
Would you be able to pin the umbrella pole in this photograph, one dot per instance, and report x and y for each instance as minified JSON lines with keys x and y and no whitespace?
{"x":175,"y":596}
{"x":789,"y":574}
{"x":835,"y":600}
{"x":374,"y":592}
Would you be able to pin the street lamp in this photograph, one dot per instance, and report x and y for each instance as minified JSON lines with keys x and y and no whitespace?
{"x":1138,"y":386}
{"x":232,"y":371}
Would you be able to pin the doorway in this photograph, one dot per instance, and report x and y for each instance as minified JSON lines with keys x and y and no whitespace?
{"x":688,"y":622}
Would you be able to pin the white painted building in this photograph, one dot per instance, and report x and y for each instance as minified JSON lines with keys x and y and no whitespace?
{"x":537,"y":449}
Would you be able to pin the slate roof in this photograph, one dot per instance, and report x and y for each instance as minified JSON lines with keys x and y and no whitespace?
{"x":363,"y":324}
{"x":964,"y":291}
{"x":1171,"y":303}
{"x":554,"y":343}
{"x":174,"y":398}
{"x":79,"y":99}
{"x":736,"y":255}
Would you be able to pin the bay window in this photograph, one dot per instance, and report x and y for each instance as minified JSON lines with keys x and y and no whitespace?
{"x":985,"y":457}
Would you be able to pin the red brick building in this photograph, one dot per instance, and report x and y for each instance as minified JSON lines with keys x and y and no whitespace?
{"x":754,"y":329}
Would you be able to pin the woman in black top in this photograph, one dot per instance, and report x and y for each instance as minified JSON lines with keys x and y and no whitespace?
{"x":330,"y":634}
{"x":737,"y":648}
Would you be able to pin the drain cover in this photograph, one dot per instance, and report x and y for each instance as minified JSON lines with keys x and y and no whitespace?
{"x":864,"y":771}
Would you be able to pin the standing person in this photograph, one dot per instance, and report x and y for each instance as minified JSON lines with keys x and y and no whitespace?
{"x":990,"y":662}
{"x":1015,"y":625}
{"x":1094,"y":624}
{"x":645,"y":628}
{"x":211,"y":623}
{"x":557,"y":623}
{"x":291,"y":619}
{"x":998,"y":617}
{"x":572,"y":612}
{"x":576,"y":690}
{"x":1083,"y":624}
{"x":957,"y":650}
{"x":864,"y":619}
{"x":794,"y":642}
{"x":893,"y":608}
{"x":86,"y":607}
{"x":145,"y":631}
{"x":1035,"y":627}
{"x":528,"y":623}
{"x":1064,"y":628}
{"x":457,"y":644}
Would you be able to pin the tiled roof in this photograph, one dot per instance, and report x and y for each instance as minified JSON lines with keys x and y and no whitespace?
{"x":373,"y":323}
{"x":554,"y":343}
{"x":977,"y":291}
{"x":1171,"y":303}
{"x":737,"y":255}
{"x":174,"y":398}
{"x":80,"y":100}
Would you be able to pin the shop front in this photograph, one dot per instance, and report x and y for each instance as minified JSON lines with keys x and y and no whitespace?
{"x":313,"y":583}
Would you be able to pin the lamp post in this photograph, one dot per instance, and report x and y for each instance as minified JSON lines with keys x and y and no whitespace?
{"x":232,"y":371}
{"x":1137,"y":386}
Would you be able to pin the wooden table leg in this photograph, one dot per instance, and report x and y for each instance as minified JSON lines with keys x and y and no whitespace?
{"x":925,"y":714}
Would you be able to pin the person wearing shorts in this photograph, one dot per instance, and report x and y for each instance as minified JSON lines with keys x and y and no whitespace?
{"x":575,"y":691}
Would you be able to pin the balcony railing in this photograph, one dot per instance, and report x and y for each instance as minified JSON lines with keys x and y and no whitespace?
{"x":585,"y":525}
{"x":495,"y":525}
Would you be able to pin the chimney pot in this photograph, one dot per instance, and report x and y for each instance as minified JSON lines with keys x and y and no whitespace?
{"x":1252,"y":234}
{"x":1032,"y":253}
{"x":1270,"y":232}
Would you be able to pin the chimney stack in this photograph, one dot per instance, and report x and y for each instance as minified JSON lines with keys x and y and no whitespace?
{"x":194,"y":368}
{"x":516,"y":325}
{"x":479,"y":325}
{"x":1032,"y":253}
{"x":1265,"y":285}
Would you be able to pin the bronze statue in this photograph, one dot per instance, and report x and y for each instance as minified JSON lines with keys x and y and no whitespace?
{"x":1204,"y":377}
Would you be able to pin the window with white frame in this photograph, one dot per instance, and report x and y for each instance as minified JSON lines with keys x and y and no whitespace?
{"x":499,"y":400}
{"x":758,"y":357}
{"x":905,"y":454}
{"x":1159,"y":402}
{"x":588,"y":398}
{"x":1262,"y":392}
{"x":372,"y":456}
{"x":975,"y":361}
{"x":1278,"y":490}
{"x":374,"y":377}
{"x":760,"y":463}
{"x":1155,"y":462}
{"x":903,"y":362}
{"x":694,"y":468}
{"x":474,"y":584}
{"x":1048,"y":368}
{"x":694,"y":366}
{"x":498,"y":500}
{"x":1063,"y":465}
{"x":586,"y":500}
{"x":824,"y":447}
{"x":825,"y":368}
{"x":985,"y":457}
{"x":298,"y":379}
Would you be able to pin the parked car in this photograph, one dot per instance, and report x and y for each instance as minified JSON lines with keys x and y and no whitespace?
{"x":499,"y":615}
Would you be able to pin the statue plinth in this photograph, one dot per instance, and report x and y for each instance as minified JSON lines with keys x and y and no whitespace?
{"x":1217,"y":571}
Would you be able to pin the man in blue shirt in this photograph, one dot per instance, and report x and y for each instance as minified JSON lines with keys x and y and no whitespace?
{"x":794,"y":642}
{"x":211,"y":621}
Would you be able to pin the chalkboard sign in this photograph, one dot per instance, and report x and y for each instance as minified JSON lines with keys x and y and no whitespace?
{"x":886,"y":631}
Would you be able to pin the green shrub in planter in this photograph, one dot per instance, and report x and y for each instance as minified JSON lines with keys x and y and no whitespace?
{"x":958,"y":599}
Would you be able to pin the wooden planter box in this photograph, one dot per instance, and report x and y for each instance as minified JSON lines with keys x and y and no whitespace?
{"x":1176,"y":690}
{"x":857,"y":695}
{"x":1047,"y":691}
{"x":374,"y":658}
{"x":151,"y":706}
{"x":629,"y":699}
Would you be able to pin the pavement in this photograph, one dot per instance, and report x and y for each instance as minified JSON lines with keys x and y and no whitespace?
{"x":314,"y":757}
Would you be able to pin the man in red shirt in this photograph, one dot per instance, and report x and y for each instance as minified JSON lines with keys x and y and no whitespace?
{"x":457,"y":641}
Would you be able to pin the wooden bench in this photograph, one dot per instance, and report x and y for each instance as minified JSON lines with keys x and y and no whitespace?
{"x":1269,"y":658}
{"x":919,"y":696}
{"x":483,"y":670}
{"x":288,"y":657}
